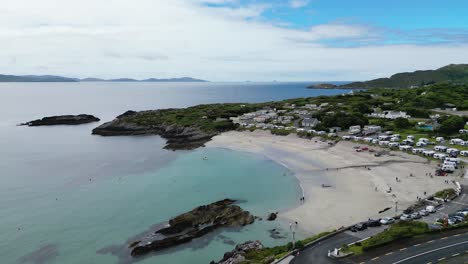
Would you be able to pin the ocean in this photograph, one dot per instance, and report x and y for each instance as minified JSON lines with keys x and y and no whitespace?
{"x":65,"y":194}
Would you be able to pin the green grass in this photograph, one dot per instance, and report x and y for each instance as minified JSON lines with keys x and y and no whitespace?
{"x":397,"y":231}
{"x":445,"y":193}
{"x":258,"y":256}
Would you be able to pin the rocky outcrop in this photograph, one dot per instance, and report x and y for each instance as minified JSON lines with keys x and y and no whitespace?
{"x":237,"y":255}
{"x":272,"y":216}
{"x":196,"y":223}
{"x":178,"y":137}
{"x":62,"y":120}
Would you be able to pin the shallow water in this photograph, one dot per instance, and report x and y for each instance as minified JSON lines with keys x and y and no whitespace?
{"x":65,"y":194}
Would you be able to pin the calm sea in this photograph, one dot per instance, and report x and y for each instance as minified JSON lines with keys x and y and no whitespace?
{"x":65,"y":194}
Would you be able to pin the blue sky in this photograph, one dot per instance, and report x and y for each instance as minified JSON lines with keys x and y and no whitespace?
{"x":398,"y":21}
{"x":232,"y":40}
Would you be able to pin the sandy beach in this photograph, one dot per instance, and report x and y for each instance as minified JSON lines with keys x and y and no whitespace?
{"x":359,"y":182}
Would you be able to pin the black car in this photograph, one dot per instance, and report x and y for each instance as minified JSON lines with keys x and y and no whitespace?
{"x":359,"y":227}
{"x":373,"y":222}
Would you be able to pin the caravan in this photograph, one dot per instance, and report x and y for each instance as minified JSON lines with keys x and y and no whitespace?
{"x":405,"y":148}
{"x":456,"y":141}
{"x":464,"y":153}
{"x":440,"y":156}
{"x":440,"y":148}
{"x":429,"y":153}
{"x":456,"y":160}
{"x":448,"y":168}
{"x":421,"y":144}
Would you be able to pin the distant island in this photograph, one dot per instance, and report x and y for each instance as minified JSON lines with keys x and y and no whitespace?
{"x":454,"y":73}
{"x":53,"y":78}
{"x":323,"y":86}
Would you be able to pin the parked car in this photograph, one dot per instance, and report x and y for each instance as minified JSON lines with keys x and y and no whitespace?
{"x":373,"y":222}
{"x":359,"y":227}
{"x":415,"y":215}
{"x":463,"y":212}
{"x":423,"y":212}
{"x":405,"y":217}
{"x":387,"y":221}
{"x":431,"y":209}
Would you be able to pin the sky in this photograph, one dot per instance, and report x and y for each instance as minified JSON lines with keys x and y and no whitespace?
{"x":231,"y":40}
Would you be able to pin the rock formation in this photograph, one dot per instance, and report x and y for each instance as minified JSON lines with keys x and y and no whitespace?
{"x":237,"y":255}
{"x":62,"y":120}
{"x":193,"y":224}
{"x":178,"y":137}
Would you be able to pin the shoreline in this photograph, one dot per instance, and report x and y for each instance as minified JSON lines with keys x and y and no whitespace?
{"x":359,"y":182}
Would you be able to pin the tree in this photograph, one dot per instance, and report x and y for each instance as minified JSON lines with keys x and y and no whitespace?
{"x":451,"y":125}
{"x":362,"y":108}
{"x":401,"y":123}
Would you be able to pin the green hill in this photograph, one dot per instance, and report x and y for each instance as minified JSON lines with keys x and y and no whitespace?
{"x":457,"y":73}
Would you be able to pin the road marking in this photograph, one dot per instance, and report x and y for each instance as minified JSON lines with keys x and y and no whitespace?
{"x":362,"y":263}
{"x":429,"y":263}
{"x":403,"y":249}
{"x":417,"y":245}
{"x":444,"y":238}
{"x":430,"y":251}
{"x":457,"y":235}
{"x":441,"y":259}
{"x":454,"y":255}
{"x":376,"y":258}
{"x":388,"y":254}
{"x":430,"y":241}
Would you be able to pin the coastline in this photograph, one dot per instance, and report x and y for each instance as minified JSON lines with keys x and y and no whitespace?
{"x":359,"y":182}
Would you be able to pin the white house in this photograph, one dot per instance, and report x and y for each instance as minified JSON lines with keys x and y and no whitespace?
{"x":309,"y":122}
{"x":390,"y":115}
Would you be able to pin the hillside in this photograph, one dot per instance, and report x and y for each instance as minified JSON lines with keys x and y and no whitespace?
{"x":52,"y":78}
{"x":35,"y":78}
{"x":457,"y":73}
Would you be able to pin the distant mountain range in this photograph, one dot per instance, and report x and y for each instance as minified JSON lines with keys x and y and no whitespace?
{"x":52,"y":78}
{"x":451,"y":73}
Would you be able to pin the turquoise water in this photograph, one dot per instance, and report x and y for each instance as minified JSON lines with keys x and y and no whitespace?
{"x":108,"y":211}
{"x":65,"y":194}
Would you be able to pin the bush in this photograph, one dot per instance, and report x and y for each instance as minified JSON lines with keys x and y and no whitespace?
{"x":401,"y":123}
{"x":299,"y":245}
{"x":451,"y":125}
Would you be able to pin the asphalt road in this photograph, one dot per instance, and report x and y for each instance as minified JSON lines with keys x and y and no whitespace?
{"x":442,"y":248}
{"x":432,"y":251}
{"x":317,"y":254}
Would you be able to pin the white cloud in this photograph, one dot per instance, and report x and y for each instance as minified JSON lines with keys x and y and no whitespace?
{"x":159,"y":38}
{"x":298,"y":3}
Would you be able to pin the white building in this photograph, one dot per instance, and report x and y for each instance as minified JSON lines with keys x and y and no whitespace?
{"x":309,"y":122}
{"x":390,"y":115}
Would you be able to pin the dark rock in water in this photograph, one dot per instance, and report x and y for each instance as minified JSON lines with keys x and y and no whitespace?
{"x":275,"y":234}
{"x":134,"y":123}
{"x":237,"y":255}
{"x":62,"y":120}
{"x":272,"y":216}
{"x":193,"y":224}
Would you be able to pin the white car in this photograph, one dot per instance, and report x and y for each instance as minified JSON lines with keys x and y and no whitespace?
{"x":405,"y":217}
{"x":430,"y":209}
{"x":387,"y":221}
{"x":423,"y":212}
